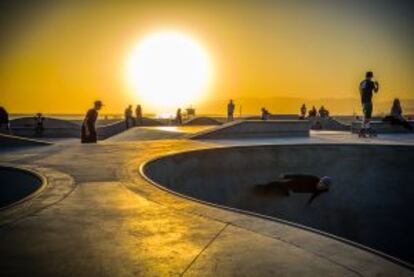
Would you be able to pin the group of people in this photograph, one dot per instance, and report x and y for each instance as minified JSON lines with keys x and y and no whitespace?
{"x":322,"y":112}
{"x":130,"y":121}
{"x":367,"y":88}
{"x":5,"y":122}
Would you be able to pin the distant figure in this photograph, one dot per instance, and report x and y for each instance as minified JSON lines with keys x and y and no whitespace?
{"x":39,"y":128}
{"x":295,"y":183}
{"x":396,"y":116}
{"x":265,"y":114}
{"x":323,"y":112}
{"x":138,"y":115}
{"x":179,"y":117}
{"x":4,"y":120}
{"x":303,"y":112}
{"x":88,"y":133}
{"x":129,"y":121}
{"x":366,"y":89}
{"x":313,"y":112}
{"x":230,"y":111}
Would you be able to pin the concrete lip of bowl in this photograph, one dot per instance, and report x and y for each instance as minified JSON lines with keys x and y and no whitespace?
{"x":230,"y":166}
{"x":19,"y":184}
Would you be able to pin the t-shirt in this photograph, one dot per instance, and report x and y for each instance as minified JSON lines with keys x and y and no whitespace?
{"x":366,"y":88}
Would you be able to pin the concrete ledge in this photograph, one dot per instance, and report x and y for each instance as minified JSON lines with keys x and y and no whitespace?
{"x":382,"y":127}
{"x":14,"y":141}
{"x":256,"y":129}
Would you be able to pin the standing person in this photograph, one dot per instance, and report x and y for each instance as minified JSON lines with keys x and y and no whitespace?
{"x":128,"y":117}
{"x":230,"y":110}
{"x":179,"y":117}
{"x":88,"y":133}
{"x":303,"y":111}
{"x":4,"y":119}
{"x":313,"y":112}
{"x":366,"y":88}
{"x":138,"y":115}
{"x":39,"y":128}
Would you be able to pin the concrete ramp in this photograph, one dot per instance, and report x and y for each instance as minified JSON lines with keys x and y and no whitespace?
{"x":14,"y":141}
{"x":256,"y":129}
{"x":53,"y":127}
{"x":201,"y":121}
{"x":383,"y":127}
{"x":329,"y":124}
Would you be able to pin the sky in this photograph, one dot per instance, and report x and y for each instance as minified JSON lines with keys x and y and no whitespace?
{"x":60,"y":56}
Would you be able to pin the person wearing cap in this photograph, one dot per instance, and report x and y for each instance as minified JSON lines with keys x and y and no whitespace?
{"x":88,"y":132}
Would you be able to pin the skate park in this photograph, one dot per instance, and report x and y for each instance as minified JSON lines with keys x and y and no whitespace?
{"x":145,"y":200}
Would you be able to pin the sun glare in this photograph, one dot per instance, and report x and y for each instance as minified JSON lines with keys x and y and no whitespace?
{"x":169,"y":70}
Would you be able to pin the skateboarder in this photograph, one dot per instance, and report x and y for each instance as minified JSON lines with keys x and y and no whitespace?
{"x":88,"y":133}
{"x":296,"y":183}
{"x":367,"y":88}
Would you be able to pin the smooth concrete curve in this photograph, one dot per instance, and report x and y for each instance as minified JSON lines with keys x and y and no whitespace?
{"x":372,"y":188}
{"x":17,"y":184}
{"x":243,"y":129}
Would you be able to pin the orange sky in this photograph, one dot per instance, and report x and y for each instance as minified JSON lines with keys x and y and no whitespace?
{"x":58,"y":58}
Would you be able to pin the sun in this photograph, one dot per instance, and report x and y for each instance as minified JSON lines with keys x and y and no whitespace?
{"x":169,"y":70}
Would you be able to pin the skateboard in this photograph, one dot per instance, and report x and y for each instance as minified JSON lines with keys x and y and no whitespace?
{"x":367,"y":133}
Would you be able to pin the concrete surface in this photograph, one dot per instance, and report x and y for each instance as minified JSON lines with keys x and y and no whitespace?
{"x":17,"y":184}
{"x":371,"y":191}
{"x":382,"y":127}
{"x":99,"y":217}
{"x":7,"y":141}
{"x":202,"y":120}
{"x":256,"y":129}
{"x":330,"y":124}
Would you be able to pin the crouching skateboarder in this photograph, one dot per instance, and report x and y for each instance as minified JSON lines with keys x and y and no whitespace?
{"x":295,"y":183}
{"x":366,"y":88}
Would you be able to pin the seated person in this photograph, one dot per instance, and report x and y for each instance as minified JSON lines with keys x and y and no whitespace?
{"x":396,"y":117}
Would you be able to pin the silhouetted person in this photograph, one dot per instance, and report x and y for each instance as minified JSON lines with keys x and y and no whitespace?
{"x":39,"y":128}
{"x":303,"y":111}
{"x":138,"y":115}
{"x":88,"y":132}
{"x":265,"y":114}
{"x":313,"y":112}
{"x":129,"y":121}
{"x":179,"y":117}
{"x":366,"y":88}
{"x":230,"y":110}
{"x":396,"y":116}
{"x":295,"y":183}
{"x":322,"y":112}
{"x":4,"y":120}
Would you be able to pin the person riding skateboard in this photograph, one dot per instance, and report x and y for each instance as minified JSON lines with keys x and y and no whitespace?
{"x":367,"y":88}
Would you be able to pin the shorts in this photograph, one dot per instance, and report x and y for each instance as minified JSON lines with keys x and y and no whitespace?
{"x":367,"y":110}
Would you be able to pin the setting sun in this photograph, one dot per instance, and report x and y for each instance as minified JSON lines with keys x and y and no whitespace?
{"x":168,"y":70}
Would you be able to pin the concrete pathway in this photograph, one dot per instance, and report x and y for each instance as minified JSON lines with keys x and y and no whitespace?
{"x":99,"y":217}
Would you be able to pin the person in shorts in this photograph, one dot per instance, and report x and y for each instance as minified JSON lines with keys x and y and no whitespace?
{"x":367,"y":88}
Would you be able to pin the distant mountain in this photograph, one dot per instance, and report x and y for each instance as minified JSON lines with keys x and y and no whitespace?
{"x":290,"y":105}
